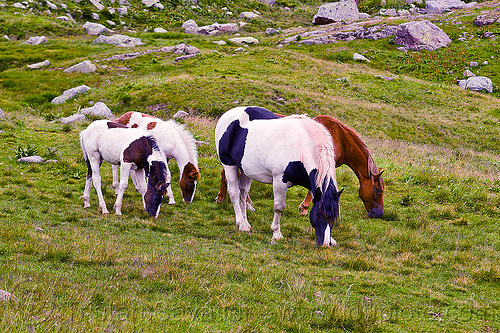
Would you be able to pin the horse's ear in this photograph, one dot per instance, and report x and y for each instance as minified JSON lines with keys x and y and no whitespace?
{"x":340,"y":192}
{"x":377,"y":176}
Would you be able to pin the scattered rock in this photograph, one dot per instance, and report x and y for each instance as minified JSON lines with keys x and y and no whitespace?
{"x":123,"y":11}
{"x":99,"y":109}
{"x":359,"y":57}
{"x":118,"y":40}
{"x":83,"y":67}
{"x":18,"y":5}
{"x":474,"y":64}
{"x":72,"y":119}
{"x":468,"y":73}
{"x":31,"y":159}
{"x":477,"y":83}
{"x":180,"y":114}
{"x":271,"y":31}
{"x":2,"y":115}
{"x":36,"y":40}
{"x":421,"y":35}
{"x":97,"y":4}
{"x":70,"y":93}
{"x":159,"y":30}
{"x":96,"y":29}
{"x":244,"y":40}
{"x":219,"y":42}
{"x":6,"y":296}
{"x":344,"y":10}
{"x":441,"y":6}
{"x":63,"y":18}
{"x":39,"y":65}
{"x":249,"y":15}
{"x":483,"y":20}
{"x":39,"y":229}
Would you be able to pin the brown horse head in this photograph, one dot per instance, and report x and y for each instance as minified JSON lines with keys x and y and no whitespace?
{"x":190,"y":176}
{"x":371,"y":192}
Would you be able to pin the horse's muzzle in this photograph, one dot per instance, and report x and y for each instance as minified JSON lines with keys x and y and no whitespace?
{"x":375,"y":213}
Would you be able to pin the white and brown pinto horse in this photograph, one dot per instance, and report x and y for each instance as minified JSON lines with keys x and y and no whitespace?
{"x":176,"y":142}
{"x":131,"y":149}
{"x":350,"y":150}
{"x":284,"y":152}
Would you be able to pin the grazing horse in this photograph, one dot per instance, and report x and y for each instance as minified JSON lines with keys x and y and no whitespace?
{"x":132,"y":149}
{"x":175,"y":142}
{"x":350,"y":150}
{"x":284,"y":152}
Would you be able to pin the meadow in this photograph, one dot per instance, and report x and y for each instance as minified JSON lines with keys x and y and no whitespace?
{"x":431,"y":263}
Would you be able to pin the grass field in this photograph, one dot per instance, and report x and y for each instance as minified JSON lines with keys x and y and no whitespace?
{"x":431,"y":263}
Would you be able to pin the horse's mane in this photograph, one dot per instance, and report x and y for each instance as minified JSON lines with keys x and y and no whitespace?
{"x":372,"y":168}
{"x":323,"y":146}
{"x":187,"y":138}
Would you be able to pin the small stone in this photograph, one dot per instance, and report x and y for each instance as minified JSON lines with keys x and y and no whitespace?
{"x":180,"y":114}
{"x":39,"y":65}
{"x":359,"y":57}
{"x":39,"y":229}
{"x":6,"y":296}
{"x":31,"y":159}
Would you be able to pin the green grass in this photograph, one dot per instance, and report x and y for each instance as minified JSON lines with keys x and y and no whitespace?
{"x":430,"y":264}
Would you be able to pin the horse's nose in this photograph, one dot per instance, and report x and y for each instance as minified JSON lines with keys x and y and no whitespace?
{"x":376,"y":213}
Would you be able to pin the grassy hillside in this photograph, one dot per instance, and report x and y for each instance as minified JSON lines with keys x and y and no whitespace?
{"x":431,"y":263}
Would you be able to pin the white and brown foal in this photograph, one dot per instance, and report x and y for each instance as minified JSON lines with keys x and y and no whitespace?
{"x":131,"y":149}
{"x":176,"y":142}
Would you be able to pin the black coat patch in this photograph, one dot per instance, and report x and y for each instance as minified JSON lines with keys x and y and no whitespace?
{"x":232,"y":144}
{"x":256,"y":112}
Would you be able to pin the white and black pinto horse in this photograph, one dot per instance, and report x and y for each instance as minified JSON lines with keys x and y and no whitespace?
{"x":131,"y":149}
{"x":176,"y":142}
{"x":287,"y":151}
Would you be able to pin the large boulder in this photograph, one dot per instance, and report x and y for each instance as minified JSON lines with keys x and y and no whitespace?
{"x":477,"y":83}
{"x":441,"y":6}
{"x":118,"y":40}
{"x":70,"y":93}
{"x":99,"y":109}
{"x":83,"y":67}
{"x":421,"y":35}
{"x":96,"y":29}
{"x":36,"y":40}
{"x":345,"y":10}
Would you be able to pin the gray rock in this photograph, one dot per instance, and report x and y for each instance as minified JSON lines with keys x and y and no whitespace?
{"x":359,"y":57}
{"x":2,"y":115}
{"x":99,"y":109}
{"x":345,"y":10}
{"x":483,"y":20}
{"x":36,"y":40}
{"x":271,"y":31}
{"x":63,"y":18}
{"x":31,"y":159}
{"x":249,"y":15}
{"x":477,"y":83}
{"x":95,"y":16}
{"x":51,"y":5}
{"x":468,"y":73}
{"x":474,"y":64}
{"x":18,"y":5}
{"x":180,"y":114}
{"x":83,"y":67}
{"x":190,"y":27}
{"x":39,"y":65}
{"x":420,"y":35}
{"x":244,"y":40}
{"x":268,"y":2}
{"x":118,"y":40}
{"x":72,"y":119}
{"x":149,"y":3}
{"x":6,"y":296}
{"x":219,"y":42}
{"x":159,"y":30}
{"x":97,"y":4}
{"x":403,"y":12}
{"x":123,"y":11}
{"x":441,"y":6}
{"x":96,"y":28}
{"x":70,"y":93}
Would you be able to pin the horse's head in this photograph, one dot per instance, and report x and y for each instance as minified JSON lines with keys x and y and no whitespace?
{"x":325,"y":213}
{"x":189,"y":178}
{"x":371,"y":192}
{"x":158,"y":182}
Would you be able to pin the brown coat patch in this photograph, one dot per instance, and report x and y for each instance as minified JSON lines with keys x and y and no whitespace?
{"x":112,"y":124}
{"x":124,"y":119}
{"x":138,"y":151}
{"x":151,"y":125}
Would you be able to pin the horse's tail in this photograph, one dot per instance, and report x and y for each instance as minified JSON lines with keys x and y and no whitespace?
{"x":85,"y":156}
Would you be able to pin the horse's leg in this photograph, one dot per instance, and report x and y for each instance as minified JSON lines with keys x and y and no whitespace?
{"x":223,"y":188}
{"x":124,"y":174}
{"x":96,"y":181}
{"x":244,"y":184}
{"x":88,"y":186}
{"x":139,"y":179}
{"x":304,"y":206}
{"x":234,"y":194}
{"x":114,"y":169}
{"x":279,"y":190}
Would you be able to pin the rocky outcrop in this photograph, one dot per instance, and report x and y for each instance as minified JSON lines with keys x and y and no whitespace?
{"x":345,"y":10}
{"x":191,"y":27}
{"x":83,"y":67}
{"x":99,"y":109}
{"x":70,"y":93}
{"x":421,"y":35}
{"x":441,"y":6}
{"x":118,"y":40}
{"x":36,"y":40}
{"x":96,"y":29}
{"x":477,"y":83}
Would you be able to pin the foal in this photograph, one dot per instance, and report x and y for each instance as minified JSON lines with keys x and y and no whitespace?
{"x":132,"y":149}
